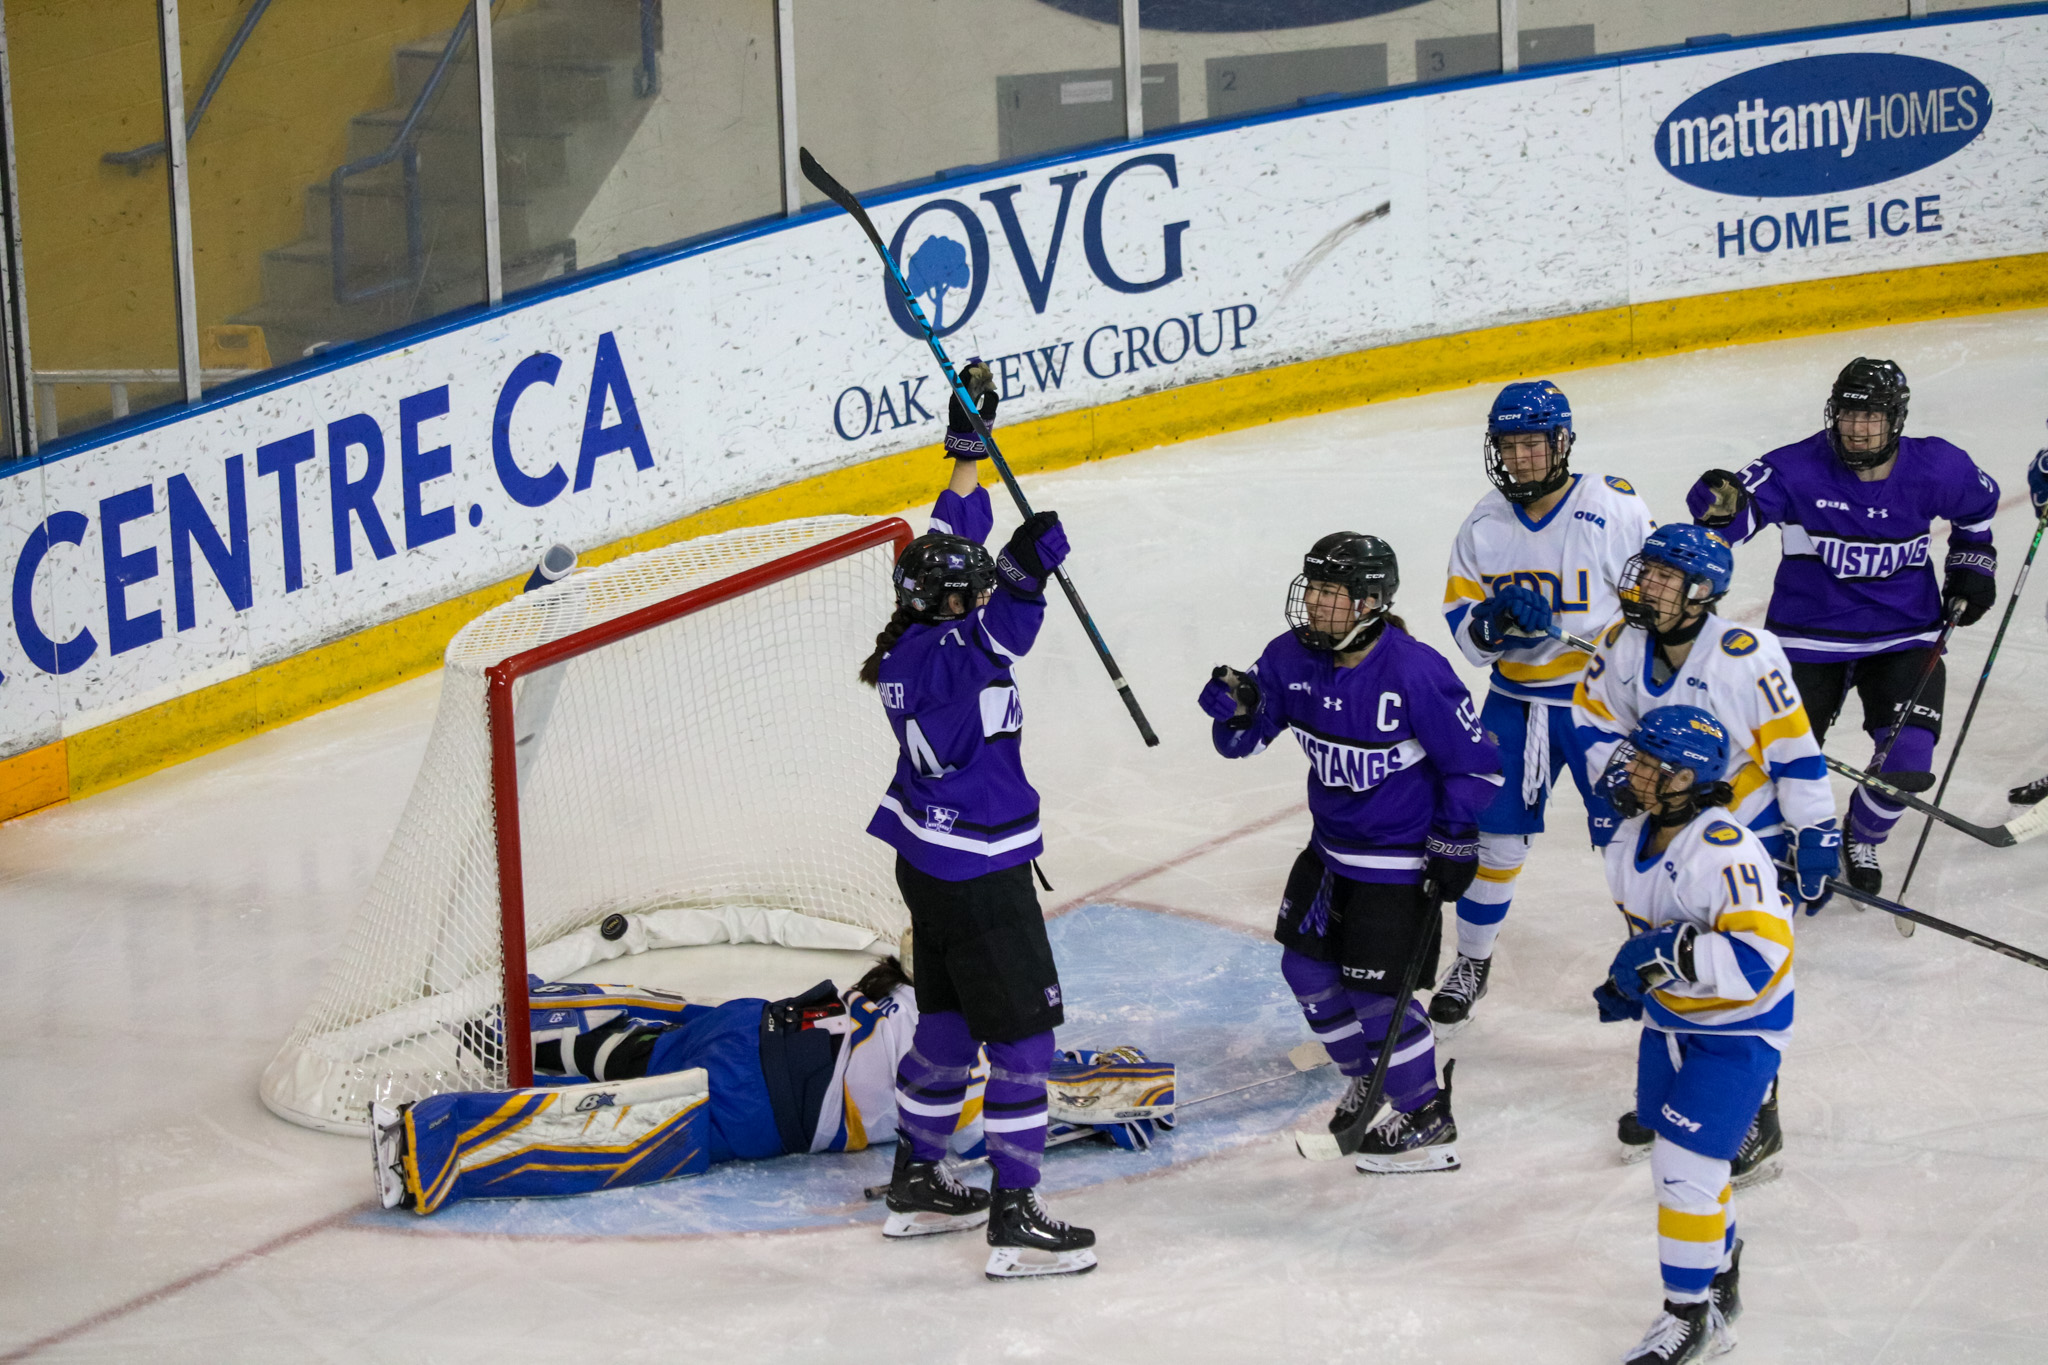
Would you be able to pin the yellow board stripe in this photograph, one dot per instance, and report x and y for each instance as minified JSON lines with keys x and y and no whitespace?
{"x":1692,"y":1227}
{"x":278,"y":693}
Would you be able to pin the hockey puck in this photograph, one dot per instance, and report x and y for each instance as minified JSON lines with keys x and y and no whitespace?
{"x":613,"y":928}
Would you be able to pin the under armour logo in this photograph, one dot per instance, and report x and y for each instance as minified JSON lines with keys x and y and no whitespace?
{"x":1333,"y":703}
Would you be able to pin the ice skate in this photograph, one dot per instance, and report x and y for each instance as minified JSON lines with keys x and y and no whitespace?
{"x":1025,"y":1241}
{"x":1859,"y":860}
{"x":2032,"y":794}
{"x":1756,"y":1160}
{"x":1636,"y":1140}
{"x":1410,"y":1144}
{"x":925,"y":1198}
{"x":1464,"y":986}
{"x":1346,"y":1127}
{"x":1725,"y":1293}
{"x":1682,"y":1332}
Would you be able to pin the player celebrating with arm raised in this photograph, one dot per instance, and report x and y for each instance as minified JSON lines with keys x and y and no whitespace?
{"x":1709,"y":972}
{"x":963,"y":820}
{"x":1399,"y":769}
{"x":1856,"y":602}
{"x":1547,"y":546}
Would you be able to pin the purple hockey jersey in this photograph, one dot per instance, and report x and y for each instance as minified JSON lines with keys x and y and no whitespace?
{"x":960,"y":805}
{"x":1859,"y":577}
{"x":1394,"y":746}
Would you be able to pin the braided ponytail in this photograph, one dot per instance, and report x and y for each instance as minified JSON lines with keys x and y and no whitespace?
{"x":871,"y":667}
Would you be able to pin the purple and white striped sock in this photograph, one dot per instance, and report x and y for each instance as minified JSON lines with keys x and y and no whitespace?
{"x":931,"y":1082}
{"x":1411,"y":1076}
{"x":1013,"y":1109}
{"x":1871,"y":816}
{"x":1319,"y":989}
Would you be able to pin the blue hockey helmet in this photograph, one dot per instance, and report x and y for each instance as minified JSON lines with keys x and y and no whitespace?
{"x":1677,"y":738}
{"x":1530,"y":406}
{"x":1698,"y":553}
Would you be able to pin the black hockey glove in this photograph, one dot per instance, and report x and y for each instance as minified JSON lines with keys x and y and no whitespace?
{"x":1615,"y":1007}
{"x":1036,"y":548}
{"x":962,"y":441}
{"x":1971,"y":579}
{"x":1730,"y":498}
{"x":1451,"y":864}
{"x":1226,"y":691}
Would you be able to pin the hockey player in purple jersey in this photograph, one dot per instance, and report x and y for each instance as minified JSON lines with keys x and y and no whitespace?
{"x":963,"y":820}
{"x":1399,"y":771}
{"x":1857,"y":602}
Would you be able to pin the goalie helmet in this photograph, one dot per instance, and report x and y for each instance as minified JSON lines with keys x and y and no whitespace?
{"x":1679,"y":738}
{"x":1696,"y":552}
{"x":1364,"y":566}
{"x":1530,"y":405}
{"x":1867,"y":385}
{"x":934,"y":567}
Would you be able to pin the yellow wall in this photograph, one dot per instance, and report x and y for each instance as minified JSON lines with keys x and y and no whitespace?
{"x":226,"y":712}
{"x":96,"y":238}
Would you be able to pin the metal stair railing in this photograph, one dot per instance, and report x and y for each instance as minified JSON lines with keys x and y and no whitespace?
{"x":136,"y":158}
{"x":404,"y":150}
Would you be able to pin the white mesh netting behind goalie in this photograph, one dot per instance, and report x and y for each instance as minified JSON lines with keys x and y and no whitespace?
{"x":710,"y":778}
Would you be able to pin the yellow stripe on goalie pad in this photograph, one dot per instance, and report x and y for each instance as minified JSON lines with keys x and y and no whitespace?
{"x":1692,"y":1227}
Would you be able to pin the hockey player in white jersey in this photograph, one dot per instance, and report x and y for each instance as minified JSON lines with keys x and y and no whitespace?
{"x":1546,"y":547}
{"x":1671,"y":648}
{"x":1709,"y":972}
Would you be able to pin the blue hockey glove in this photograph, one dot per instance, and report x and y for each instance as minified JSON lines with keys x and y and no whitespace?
{"x":1220,"y":700}
{"x":1819,"y":858}
{"x":1451,"y":864}
{"x":962,"y":441}
{"x":1520,"y":608}
{"x":1614,"y":1006}
{"x":2037,"y":483}
{"x":1650,"y":958}
{"x":1036,"y":548}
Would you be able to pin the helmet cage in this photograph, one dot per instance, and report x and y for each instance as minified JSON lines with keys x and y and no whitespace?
{"x":1867,"y":385}
{"x":1621,"y":791}
{"x":1527,"y":491}
{"x":936,"y":566}
{"x":1638,"y":611}
{"x":1364,"y":567}
{"x":1322,"y":641}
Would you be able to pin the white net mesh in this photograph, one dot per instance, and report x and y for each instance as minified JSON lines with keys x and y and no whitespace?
{"x":709,"y":778}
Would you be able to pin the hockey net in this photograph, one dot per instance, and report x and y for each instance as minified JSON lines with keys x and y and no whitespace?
{"x":677,"y":739}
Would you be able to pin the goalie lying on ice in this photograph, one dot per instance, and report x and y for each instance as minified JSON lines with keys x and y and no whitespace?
{"x":642,"y":1086}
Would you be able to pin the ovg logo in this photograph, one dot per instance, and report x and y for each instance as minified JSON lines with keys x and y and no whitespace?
{"x":1820,"y":125}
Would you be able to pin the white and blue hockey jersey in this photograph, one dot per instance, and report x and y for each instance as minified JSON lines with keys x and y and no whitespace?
{"x":1740,"y":675}
{"x":1716,"y":876}
{"x":1573,"y":558}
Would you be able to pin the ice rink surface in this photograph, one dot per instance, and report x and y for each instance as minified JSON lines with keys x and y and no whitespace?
{"x":163,"y":937}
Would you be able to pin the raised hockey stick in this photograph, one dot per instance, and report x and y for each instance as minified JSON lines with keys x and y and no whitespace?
{"x":1842,"y":888}
{"x":2016,"y":831}
{"x":1956,"y":750}
{"x":843,"y":197}
{"x":1328,"y":1146}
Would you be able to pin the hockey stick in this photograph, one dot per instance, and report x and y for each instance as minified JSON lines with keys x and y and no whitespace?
{"x":2017,"y":831}
{"x":1329,"y":1146}
{"x":1955,"y":751}
{"x":1948,"y":628}
{"x":1842,"y":888}
{"x":843,"y":197}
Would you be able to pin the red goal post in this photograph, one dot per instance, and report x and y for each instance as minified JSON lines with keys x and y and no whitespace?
{"x":500,"y":677}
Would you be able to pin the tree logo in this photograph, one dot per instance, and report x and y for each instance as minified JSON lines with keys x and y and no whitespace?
{"x":939,"y":266}
{"x":940,"y":269}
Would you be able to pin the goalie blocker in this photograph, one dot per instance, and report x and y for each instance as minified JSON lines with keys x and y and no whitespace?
{"x":653,"y":1087}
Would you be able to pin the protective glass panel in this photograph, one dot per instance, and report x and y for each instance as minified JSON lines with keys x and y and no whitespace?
{"x":1238,"y":57}
{"x":1624,"y":26}
{"x":96,"y":236}
{"x":337,"y":186}
{"x":293,"y":114}
{"x":626,"y":124}
{"x":896,"y":90}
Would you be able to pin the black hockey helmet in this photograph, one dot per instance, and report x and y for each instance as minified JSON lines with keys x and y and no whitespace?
{"x":1364,"y":566}
{"x":1867,"y":385}
{"x":934,"y":567}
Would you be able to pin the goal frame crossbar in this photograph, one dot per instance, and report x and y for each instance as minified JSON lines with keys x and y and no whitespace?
{"x":500,"y":679}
